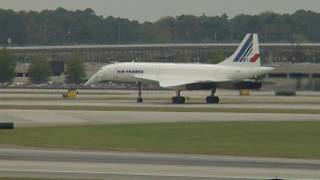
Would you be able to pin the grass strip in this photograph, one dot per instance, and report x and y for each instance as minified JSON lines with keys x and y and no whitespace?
{"x":264,"y":139}
{"x":19,"y":178}
{"x":160,"y":109}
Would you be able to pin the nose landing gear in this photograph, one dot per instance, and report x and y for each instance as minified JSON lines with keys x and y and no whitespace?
{"x":140,"y":99}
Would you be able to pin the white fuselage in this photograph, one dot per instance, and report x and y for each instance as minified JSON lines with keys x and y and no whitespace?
{"x":126,"y":72}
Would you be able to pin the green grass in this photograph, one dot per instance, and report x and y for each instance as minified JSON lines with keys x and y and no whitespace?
{"x":16,"y":178}
{"x":268,"y":139}
{"x":3,"y":178}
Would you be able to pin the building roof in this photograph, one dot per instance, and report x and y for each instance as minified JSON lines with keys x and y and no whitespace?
{"x":126,"y":46}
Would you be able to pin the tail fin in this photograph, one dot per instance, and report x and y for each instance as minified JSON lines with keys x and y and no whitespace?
{"x":247,"y":54}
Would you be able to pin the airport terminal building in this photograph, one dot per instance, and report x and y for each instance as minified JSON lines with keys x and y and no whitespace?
{"x":297,"y":61}
{"x":203,"y":53}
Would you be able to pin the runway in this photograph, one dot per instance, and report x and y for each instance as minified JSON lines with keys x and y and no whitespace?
{"x":28,"y":118}
{"x":155,"y":98}
{"x":137,"y":166}
{"x":14,"y":107}
{"x":106,"y":165}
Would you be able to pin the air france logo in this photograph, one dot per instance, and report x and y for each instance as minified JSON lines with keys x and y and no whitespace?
{"x":131,"y":71}
{"x":246,"y":53}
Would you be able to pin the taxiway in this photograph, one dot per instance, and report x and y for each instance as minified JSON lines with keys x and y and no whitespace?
{"x":103,"y":165}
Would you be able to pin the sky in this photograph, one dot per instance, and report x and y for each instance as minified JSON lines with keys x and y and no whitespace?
{"x":152,"y":10}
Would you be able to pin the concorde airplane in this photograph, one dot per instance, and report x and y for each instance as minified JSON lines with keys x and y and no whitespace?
{"x":243,"y":64}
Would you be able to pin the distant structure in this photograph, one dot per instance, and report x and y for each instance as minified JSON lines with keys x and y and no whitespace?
{"x":288,"y":56}
{"x":272,"y":53}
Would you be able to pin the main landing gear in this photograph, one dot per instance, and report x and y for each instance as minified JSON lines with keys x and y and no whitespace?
{"x":140,"y":99}
{"x":178,"y":99}
{"x":212,"y":99}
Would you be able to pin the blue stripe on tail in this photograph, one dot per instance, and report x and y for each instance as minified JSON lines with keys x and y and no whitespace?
{"x":244,"y":49}
{"x":247,"y":53}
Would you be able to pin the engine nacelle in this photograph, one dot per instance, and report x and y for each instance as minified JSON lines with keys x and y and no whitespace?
{"x":199,"y":86}
{"x":248,"y":85}
{"x":227,"y":85}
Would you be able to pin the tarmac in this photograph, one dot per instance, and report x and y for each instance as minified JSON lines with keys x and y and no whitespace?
{"x":113,"y":165}
{"x":19,"y":99}
{"x":42,"y":163}
{"x":28,"y":118}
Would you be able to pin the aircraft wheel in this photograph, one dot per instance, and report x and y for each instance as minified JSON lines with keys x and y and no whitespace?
{"x":139,"y":100}
{"x":178,"y":100}
{"x":213,"y":99}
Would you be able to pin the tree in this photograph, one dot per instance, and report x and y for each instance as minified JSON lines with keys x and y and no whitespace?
{"x":61,"y":26}
{"x":7,"y":66}
{"x":39,"y":70}
{"x":75,"y":70}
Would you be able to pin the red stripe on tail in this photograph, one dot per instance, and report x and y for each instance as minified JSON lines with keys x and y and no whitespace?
{"x":255,"y":58}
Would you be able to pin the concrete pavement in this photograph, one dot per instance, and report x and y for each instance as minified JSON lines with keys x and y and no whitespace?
{"x":28,"y":118}
{"x":96,"y":165}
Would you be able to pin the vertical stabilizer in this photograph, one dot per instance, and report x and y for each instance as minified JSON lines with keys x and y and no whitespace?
{"x":247,"y":54}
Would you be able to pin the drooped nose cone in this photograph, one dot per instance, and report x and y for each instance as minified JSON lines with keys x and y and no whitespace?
{"x":104,"y":74}
{"x":97,"y":77}
{"x":91,"y":81}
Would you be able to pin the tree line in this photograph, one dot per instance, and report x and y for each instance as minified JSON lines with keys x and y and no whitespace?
{"x":40,"y":69}
{"x":61,"y":26}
